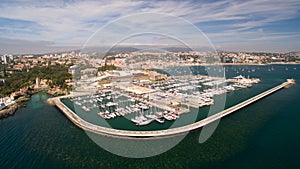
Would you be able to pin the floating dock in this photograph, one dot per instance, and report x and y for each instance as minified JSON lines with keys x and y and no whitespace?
{"x":161,"y":133}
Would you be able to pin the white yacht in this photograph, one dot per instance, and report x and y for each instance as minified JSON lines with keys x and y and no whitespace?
{"x":229,"y":88}
{"x":148,"y":121}
{"x":160,"y":120}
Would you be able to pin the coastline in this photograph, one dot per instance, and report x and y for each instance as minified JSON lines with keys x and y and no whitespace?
{"x":11,"y":110}
{"x":285,"y":63}
{"x":245,"y":64}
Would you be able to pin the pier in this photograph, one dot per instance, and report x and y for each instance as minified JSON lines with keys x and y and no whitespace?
{"x":162,"y":133}
{"x":164,"y":106}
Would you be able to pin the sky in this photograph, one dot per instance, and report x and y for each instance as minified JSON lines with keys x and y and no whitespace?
{"x":28,"y":26}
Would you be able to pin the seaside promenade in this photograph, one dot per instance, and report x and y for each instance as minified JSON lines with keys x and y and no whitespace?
{"x":161,"y":133}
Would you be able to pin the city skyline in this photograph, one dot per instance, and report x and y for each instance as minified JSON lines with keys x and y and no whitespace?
{"x":41,"y":27}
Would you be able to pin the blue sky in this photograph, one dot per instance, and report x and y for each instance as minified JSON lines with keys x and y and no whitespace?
{"x":257,"y":25}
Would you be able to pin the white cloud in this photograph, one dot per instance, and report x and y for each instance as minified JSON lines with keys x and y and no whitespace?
{"x":71,"y":23}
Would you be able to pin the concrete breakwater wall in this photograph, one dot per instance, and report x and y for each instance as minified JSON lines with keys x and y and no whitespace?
{"x":159,"y":133}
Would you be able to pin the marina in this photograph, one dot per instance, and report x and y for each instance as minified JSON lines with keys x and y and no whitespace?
{"x":158,"y":101}
{"x":142,"y":120}
{"x":50,"y":134}
{"x":111,"y":105}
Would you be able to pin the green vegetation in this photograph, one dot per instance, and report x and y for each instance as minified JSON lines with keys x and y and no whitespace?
{"x":56,"y":75}
{"x":3,"y":69}
{"x":14,"y":82}
{"x":107,"y":67}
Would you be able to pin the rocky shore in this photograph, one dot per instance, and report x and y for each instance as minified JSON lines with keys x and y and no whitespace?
{"x":8,"y":111}
{"x":11,"y":110}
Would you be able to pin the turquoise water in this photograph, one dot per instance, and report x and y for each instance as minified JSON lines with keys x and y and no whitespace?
{"x":263,"y":135}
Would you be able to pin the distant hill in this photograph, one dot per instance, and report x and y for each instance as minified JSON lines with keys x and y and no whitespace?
{"x":136,"y":48}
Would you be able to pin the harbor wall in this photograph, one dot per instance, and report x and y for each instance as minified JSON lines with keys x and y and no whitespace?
{"x":159,"y":133}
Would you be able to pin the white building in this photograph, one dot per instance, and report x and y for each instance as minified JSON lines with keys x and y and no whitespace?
{"x":6,"y":59}
{"x":75,"y":69}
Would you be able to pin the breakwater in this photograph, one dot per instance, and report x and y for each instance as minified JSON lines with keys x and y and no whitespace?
{"x":160,"y":133}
